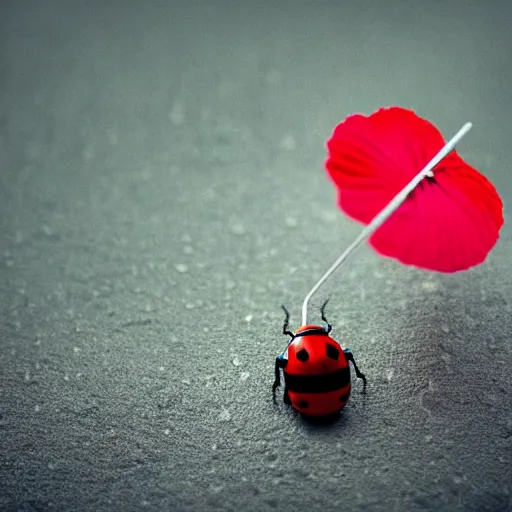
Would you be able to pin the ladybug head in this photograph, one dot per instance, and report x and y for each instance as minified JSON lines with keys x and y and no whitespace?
{"x":307,"y":329}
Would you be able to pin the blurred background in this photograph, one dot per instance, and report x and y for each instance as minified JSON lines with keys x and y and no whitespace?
{"x":162,"y":193}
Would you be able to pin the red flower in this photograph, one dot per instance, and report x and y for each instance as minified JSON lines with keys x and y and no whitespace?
{"x":448,"y":223}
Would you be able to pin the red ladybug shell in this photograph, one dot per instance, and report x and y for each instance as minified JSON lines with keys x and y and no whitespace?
{"x":317,"y":373}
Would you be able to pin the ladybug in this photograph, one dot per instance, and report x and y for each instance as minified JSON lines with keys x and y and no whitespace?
{"x":316,"y":370}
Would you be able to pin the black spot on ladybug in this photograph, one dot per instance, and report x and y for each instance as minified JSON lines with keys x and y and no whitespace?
{"x":303,"y":404}
{"x":344,"y":398}
{"x":302,"y":355}
{"x":332,"y":351}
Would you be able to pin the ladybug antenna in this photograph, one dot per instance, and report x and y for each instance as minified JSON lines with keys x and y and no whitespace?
{"x":285,"y":325}
{"x":322,"y":310}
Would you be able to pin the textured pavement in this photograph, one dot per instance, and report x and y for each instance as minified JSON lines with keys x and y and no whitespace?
{"x":162,"y":193}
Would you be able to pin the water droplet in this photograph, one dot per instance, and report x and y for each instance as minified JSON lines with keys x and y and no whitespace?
{"x":76,"y":350}
{"x":27,"y":375}
{"x":236,"y":361}
{"x":216,"y":488}
{"x":273,"y":77}
{"x":177,"y":113}
{"x":186,"y":382}
{"x":209,"y":194}
{"x":328,"y":215}
{"x":428,"y":438}
{"x":214,"y":447}
{"x":66,"y":377}
{"x":47,"y":230}
{"x":430,"y":286}
{"x":181,"y":268}
{"x":88,"y":153}
{"x":238,"y":229}
{"x":244,"y":376}
{"x":188,"y":249}
{"x":112,"y":136}
{"x":457,"y":480}
{"x":291,"y":222}
{"x":288,"y":143}
{"x":225,"y":415}
{"x":167,"y":431}
{"x":37,"y":408}
{"x":248,"y":318}
{"x":389,"y":374}
{"x":161,"y":368}
{"x":189,"y":305}
{"x":445,"y":328}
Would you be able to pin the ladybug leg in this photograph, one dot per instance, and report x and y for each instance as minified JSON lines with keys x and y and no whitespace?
{"x":277,"y":381}
{"x":280,"y":363}
{"x":350,"y":357}
{"x":286,"y":397}
{"x":329,"y":326}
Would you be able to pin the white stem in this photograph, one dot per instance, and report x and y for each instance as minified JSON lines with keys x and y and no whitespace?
{"x":381,"y":217}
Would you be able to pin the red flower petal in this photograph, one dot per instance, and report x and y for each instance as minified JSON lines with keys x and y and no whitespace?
{"x":448,"y":223}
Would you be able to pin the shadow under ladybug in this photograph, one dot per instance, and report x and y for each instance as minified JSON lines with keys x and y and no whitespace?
{"x":316,"y":371}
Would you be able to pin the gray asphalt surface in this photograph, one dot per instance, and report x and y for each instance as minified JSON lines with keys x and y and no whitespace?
{"x":162,"y":193}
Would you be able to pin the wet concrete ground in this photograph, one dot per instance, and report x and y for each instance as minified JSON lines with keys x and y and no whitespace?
{"x":162,"y":193}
